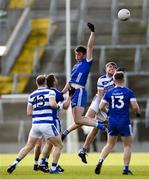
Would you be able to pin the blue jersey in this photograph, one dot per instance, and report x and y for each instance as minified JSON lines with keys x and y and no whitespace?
{"x":80,"y":71}
{"x":58,"y":95}
{"x":59,"y":98}
{"x":119,"y":99}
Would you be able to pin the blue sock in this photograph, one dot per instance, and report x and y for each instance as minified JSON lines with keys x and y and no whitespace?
{"x":42,"y":162}
{"x":46,"y":160}
{"x":100,"y":160}
{"x":54,"y":165}
{"x":84,"y":149}
{"x":16,"y":161}
{"x":126,"y":168}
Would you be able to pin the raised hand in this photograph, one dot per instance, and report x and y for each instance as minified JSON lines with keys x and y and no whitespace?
{"x":91,"y":27}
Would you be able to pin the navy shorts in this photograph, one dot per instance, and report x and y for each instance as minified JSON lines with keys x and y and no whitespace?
{"x":79,"y":98}
{"x":120,"y":129}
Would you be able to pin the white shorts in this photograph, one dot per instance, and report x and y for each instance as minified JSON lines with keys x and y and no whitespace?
{"x":43,"y":130}
{"x":95,"y":106}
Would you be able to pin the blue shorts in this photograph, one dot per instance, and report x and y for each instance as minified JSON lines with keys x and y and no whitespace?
{"x":79,"y":98}
{"x":119,"y":129}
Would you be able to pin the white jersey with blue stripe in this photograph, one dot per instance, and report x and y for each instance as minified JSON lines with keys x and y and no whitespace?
{"x":105,"y":82}
{"x":42,"y":112}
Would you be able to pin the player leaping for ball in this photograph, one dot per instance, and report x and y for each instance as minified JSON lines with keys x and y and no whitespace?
{"x":78,"y":79}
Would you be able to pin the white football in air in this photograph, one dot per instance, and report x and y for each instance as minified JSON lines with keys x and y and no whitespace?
{"x":124,"y":14}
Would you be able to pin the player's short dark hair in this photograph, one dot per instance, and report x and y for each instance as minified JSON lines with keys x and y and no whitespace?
{"x":50,"y":80}
{"x":119,"y":75}
{"x":111,"y":63}
{"x":41,"y":80}
{"x":80,"y":49}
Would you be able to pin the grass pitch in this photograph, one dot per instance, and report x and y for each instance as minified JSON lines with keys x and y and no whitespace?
{"x":75,"y":169}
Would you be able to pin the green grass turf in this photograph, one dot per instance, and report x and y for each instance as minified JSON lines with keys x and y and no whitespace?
{"x":75,"y":169}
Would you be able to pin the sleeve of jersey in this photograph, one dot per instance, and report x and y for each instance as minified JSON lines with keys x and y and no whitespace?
{"x":132,"y":96}
{"x":62,"y":97}
{"x":29,"y":100}
{"x":105,"y":98}
{"x":100,"y":84}
{"x":89,"y":60}
{"x":61,"y":102}
{"x":52,"y":93}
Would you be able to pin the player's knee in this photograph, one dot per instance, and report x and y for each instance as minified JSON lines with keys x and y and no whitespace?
{"x":77,"y":121}
{"x":110,"y":145}
{"x":61,"y":146}
{"x":38,"y":146}
{"x":128,"y":146}
{"x":29,"y":146}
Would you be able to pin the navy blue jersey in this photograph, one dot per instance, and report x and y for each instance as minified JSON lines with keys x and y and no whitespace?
{"x":59,"y":98}
{"x":80,"y":71}
{"x":119,"y":99}
{"x":59,"y":95}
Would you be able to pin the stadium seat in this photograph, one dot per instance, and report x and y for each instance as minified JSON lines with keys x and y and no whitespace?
{"x":141,"y":87}
{"x":24,"y":62}
{"x":124,"y":57}
{"x":132,"y":32}
{"x":144,"y":59}
{"x":15,"y":4}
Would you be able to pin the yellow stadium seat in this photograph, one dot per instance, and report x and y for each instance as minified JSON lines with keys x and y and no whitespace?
{"x":24,"y":62}
{"x":18,"y":4}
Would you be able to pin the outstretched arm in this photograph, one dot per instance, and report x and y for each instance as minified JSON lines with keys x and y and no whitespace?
{"x":90,"y":42}
{"x":66,"y":88}
{"x":102,"y":106}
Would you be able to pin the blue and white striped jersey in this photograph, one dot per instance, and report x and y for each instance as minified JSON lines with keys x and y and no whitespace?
{"x":42,"y":112}
{"x":105,"y":82}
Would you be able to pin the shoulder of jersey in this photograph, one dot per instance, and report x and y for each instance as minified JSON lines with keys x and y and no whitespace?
{"x":56,"y":90}
{"x":102,"y":77}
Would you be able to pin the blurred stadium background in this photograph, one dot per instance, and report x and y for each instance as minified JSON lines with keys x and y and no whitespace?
{"x":34,"y":35}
